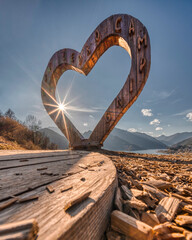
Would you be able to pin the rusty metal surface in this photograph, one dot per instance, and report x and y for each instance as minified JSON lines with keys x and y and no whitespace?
{"x":122,"y":30}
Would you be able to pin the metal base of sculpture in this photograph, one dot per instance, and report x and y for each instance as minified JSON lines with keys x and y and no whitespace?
{"x":121,"y":30}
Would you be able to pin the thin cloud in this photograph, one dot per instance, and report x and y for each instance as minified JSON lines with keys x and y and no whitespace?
{"x":176,"y":100}
{"x":189,"y":116}
{"x":165,"y":94}
{"x":183,"y":112}
{"x":156,"y":96}
{"x":155,"y":122}
{"x":147,"y":112}
{"x":132,"y":130}
{"x":158,"y":128}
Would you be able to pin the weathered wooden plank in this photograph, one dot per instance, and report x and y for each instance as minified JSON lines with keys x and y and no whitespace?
{"x":31,"y":178}
{"x":131,"y":212}
{"x":50,"y":189}
{"x":6,"y":155}
{"x":7,"y":203}
{"x":131,"y":227}
{"x":127,"y":194}
{"x":66,"y":188}
{"x":138,"y":193}
{"x":154,"y":191}
{"x":36,"y":161}
{"x":162,"y":229}
{"x":183,"y":220}
{"x":167,"y":208}
{"x":173,"y":236}
{"x":48,"y":210}
{"x":160,"y":184}
{"x":29,"y":198}
{"x":118,"y":200}
{"x":136,"y":204}
{"x":13,"y":184}
{"x":132,"y":202}
{"x":187,"y":208}
{"x":149,"y":218}
{"x":168,"y":230}
{"x":184,"y":199}
{"x":76,"y":200}
{"x":188,"y":236}
{"x":26,"y":229}
{"x":149,"y":200}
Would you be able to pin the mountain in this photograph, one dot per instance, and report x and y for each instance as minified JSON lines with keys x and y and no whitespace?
{"x":137,"y":140}
{"x":57,"y":130}
{"x":185,"y":145}
{"x":118,"y":140}
{"x":87,"y":134}
{"x":122,"y":140}
{"x":116,"y":143}
{"x":55,"y":137}
{"x":175,"y":138}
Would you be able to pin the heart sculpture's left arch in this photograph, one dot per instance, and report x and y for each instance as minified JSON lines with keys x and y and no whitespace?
{"x":122,"y":30}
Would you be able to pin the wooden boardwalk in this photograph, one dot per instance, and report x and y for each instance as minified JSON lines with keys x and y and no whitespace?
{"x":28,"y":178}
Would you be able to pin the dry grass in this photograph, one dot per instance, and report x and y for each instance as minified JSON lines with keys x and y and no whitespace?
{"x":9,"y":145}
{"x":17,"y":136}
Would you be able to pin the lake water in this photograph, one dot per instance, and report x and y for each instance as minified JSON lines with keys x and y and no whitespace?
{"x":151,"y":151}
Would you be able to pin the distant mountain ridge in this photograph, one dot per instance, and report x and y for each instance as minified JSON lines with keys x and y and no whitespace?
{"x":142,"y":140}
{"x":55,"y":137}
{"x":122,"y":140}
{"x":115,"y":143}
{"x":175,"y":138}
{"x":185,"y":145}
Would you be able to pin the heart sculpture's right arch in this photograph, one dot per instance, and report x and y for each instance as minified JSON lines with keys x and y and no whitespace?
{"x":122,"y":30}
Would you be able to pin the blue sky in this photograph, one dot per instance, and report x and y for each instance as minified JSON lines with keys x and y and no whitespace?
{"x":31,"y":31}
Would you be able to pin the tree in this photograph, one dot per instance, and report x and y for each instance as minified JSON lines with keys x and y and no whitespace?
{"x":32,"y":123}
{"x":10,"y":114}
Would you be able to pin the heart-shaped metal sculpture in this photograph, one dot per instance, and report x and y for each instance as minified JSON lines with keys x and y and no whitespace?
{"x":122,"y":30}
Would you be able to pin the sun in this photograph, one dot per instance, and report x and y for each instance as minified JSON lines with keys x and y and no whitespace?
{"x":61,"y":107}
